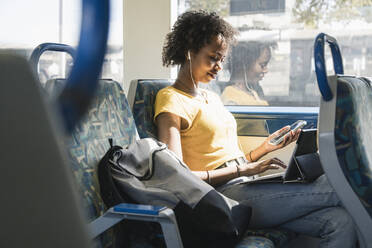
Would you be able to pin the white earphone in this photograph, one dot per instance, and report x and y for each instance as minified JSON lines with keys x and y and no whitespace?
{"x":192,"y":78}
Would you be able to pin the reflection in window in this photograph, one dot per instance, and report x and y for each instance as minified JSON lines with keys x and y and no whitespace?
{"x":292,"y":26}
{"x":248,"y":64}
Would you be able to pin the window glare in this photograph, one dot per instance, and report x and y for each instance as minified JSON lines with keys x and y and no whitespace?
{"x":26,"y":24}
{"x":291,"y":27}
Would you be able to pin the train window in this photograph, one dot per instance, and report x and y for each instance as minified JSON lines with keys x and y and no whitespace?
{"x":272,"y":62}
{"x":26,"y":24}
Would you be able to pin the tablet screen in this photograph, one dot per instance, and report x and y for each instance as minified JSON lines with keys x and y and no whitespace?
{"x":305,"y":144}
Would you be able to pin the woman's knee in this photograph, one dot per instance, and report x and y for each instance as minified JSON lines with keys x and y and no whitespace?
{"x":339,"y":220}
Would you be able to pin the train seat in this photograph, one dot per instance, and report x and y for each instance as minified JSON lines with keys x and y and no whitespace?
{"x":142,"y":94}
{"x":109,"y":117}
{"x":345,"y":135}
{"x":345,"y":143}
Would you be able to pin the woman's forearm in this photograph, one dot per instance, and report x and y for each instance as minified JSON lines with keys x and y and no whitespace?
{"x":256,"y":154}
{"x":218,"y":176}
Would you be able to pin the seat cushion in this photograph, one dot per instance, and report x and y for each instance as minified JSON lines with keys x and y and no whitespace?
{"x":280,"y":237}
{"x":255,"y":242}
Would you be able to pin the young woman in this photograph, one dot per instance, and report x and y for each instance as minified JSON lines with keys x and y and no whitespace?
{"x":195,"y":125}
{"x":248,"y":65}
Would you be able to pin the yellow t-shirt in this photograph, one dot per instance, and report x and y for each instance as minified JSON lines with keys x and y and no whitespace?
{"x":234,"y":96}
{"x":210,"y":138}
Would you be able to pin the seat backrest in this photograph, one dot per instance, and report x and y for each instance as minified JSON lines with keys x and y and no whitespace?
{"x":141,"y":97}
{"x":109,"y":116}
{"x":345,"y":142}
{"x":40,"y":207}
{"x":353,"y":135}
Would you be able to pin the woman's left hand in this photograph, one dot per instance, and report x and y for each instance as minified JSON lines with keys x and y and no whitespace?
{"x":289,"y":138}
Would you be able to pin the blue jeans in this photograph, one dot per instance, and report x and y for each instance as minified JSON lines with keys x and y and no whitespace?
{"x":312,"y":209}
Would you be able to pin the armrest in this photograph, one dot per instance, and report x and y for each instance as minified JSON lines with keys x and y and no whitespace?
{"x":163,"y":215}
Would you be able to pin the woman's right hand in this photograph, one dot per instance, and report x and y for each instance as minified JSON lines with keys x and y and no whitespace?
{"x":250,"y":169}
{"x":289,"y":138}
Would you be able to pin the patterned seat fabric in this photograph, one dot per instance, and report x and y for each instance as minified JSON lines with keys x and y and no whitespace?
{"x":143,"y":112}
{"x":109,"y":116}
{"x":255,"y":242}
{"x":280,"y":237}
{"x":353,"y":137}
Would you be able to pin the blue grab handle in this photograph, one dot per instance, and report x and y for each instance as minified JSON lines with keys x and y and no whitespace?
{"x":40,"y":49}
{"x":83,"y":80}
{"x":320,"y":66}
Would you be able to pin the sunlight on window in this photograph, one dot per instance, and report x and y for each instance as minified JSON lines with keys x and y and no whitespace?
{"x":57,"y":21}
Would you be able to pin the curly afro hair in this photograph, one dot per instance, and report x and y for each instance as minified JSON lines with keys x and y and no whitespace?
{"x":192,"y":31}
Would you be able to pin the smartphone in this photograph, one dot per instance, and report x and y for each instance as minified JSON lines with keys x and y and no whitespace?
{"x":294,"y":127}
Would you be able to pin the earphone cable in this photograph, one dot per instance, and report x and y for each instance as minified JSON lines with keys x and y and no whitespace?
{"x":203,"y":94}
